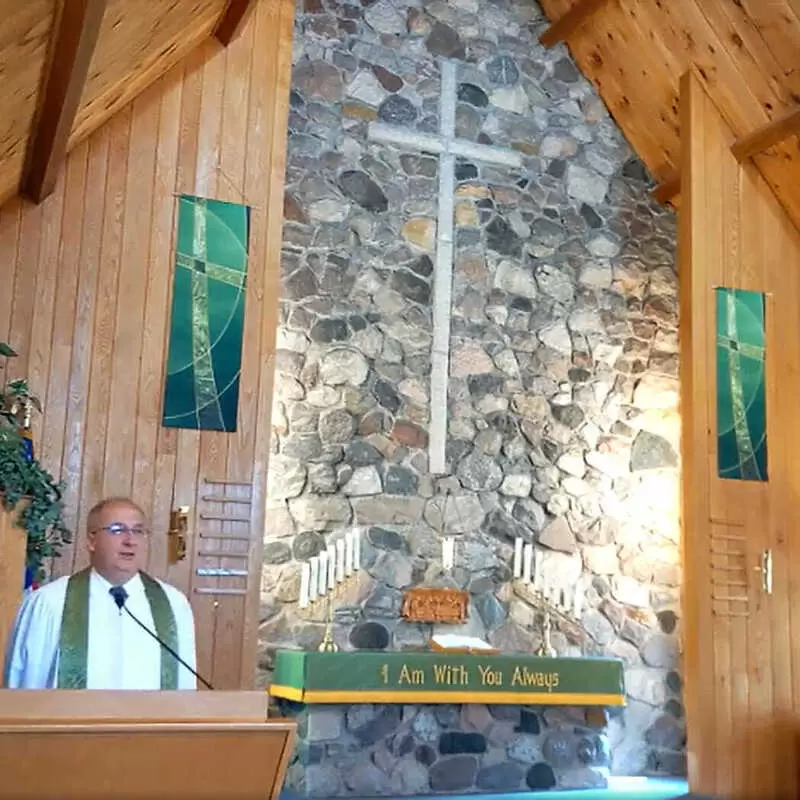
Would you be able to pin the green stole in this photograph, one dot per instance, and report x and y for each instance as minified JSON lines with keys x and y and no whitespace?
{"x":74,"y":639}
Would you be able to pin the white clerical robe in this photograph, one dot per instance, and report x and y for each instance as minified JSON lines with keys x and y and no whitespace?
{"x":120,"y":654}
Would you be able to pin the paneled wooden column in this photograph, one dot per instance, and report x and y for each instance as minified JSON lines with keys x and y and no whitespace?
{"x":12,"y":574}
{"x":741,"y":640}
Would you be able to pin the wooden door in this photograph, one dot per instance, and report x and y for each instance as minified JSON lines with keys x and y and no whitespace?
{"x":741,"y":538}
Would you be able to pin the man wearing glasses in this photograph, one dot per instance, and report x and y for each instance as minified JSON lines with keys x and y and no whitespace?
{"x":94,"y":629}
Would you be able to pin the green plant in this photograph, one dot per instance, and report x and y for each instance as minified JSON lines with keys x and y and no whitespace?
{"x":22,"y":477}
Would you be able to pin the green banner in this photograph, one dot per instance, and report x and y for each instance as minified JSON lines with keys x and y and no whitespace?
{"x":374,"y":677}
{"x":741,"y":385}
{"x":207,"y":324}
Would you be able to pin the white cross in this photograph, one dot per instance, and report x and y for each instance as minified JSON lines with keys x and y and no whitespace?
{"x":447,"y":147}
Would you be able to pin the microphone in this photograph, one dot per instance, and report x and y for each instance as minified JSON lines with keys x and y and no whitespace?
{"x":120,"y":596}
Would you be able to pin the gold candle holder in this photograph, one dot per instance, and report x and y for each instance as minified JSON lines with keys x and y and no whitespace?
{"x":549,"y":612}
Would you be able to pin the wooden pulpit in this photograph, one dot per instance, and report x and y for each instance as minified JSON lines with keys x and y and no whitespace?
{"x":97,"y":745}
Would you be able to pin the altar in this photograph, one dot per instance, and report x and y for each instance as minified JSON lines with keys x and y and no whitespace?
{"x":428,"y":723}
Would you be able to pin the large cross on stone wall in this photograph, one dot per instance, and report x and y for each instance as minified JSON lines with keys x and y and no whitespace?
{"x":447,"y":147}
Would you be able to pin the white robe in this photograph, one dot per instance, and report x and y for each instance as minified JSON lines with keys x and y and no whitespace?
{"x":120,"y":654}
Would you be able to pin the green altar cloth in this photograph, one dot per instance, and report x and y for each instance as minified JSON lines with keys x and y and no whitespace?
{"x":440,"y":677}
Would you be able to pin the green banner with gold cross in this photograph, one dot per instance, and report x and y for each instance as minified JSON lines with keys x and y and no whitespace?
{"x":741,"y":385}
{"x":207,"y":324}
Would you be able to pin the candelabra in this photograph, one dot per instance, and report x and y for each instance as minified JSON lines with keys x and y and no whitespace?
{"x":325,"y":577}
{"x":563,"y":604}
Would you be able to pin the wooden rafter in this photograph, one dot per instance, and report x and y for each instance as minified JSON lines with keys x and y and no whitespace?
{"x":562,"y":28}
{"x":667,"y":191}
{"x":74,"y":39}
{"x":762,"y":139}
{"x":232,"y":20}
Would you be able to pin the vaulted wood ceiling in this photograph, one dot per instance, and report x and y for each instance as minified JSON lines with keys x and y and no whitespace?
{"x":745,"y":52}
{"x":66,"y":66}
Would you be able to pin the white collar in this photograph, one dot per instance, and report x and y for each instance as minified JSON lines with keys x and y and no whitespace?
{"x":132,"y":585}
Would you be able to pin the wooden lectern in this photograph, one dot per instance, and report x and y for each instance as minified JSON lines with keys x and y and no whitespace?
{"x":96,"y":745}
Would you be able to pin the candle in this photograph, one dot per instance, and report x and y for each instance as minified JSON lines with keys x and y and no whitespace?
{"x":577,"y":600}
{"x":527,"y":556}
{"x":545,"y":586}
{"x":448,"y":552}
{"x":331,"y":553}
{"x":518,"y":557}
{"x":322,"y":586}
{"x":356,"y":550}
{"x":538,"y":568}
{"x":340,"y":560}
{"x":348,"y":555}
{"x":313,"y":581}
{"x":555,"y":594}
{"x":305,"y":580}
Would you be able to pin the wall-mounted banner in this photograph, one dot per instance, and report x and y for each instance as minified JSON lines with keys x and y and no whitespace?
{"x":741,"y":385}
{"x":207,"y":324}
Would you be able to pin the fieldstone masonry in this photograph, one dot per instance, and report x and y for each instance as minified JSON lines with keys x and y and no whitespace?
{"x":411,"y":750}
{"x":562,"y":422}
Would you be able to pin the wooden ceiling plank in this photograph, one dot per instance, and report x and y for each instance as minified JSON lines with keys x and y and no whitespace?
{"x":73,"y":46}
{"x":768,"y":136}
{"x":567,"y":24}
{"x":745,"y":44}
{"x":599,"y":63}
{"x":778,"y":22}
{"x":232,"y":20}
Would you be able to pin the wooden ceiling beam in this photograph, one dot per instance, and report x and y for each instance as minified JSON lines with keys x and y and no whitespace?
{"x":564,"y":27}
{"x":73,"y":44}
{"x":768,"y":136}
{"x":667,"y":191}
{"x":232,"y":20}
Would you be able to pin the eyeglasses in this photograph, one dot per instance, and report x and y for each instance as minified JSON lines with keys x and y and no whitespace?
{"x":120,"y":528}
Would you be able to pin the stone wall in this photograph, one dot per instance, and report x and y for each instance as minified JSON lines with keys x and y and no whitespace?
{"x":563,"y":422}
{"x":410,"y":750}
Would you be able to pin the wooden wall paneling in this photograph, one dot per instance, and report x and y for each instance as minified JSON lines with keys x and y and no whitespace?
{"x":131,"y":288}
{"x":161,"y":441}
{"x":213,"y":445}
{"x":695,"y":387}
{"x":186,"y":442}
{"x":78,"y":436}
{"x":46,"y":280}
{"x":734,"y":233}
{"x":269,"y":110}
{"x":92,"y":271}
{"x":10,"y":214}
{"x":94,"y":483}
{"x":232,"y":167}
{"x":62,"y":321}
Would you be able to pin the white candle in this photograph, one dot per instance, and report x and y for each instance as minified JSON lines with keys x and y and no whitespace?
{"x":313,"y":581}
{"x":331,"y":553}
{"x":348,"y":556}
{"x":545,"y":587}
{"x":518,"y":557}
{"x":555,"y":594}
{"x":527,"y":557}
{"x":322,"y":586}
{"x":356,"y":550}
{"x":340,"y":560}
{"x":305,"y":581}
{"x":538,"y":568}
{"x":577,"y":600}
{"x":451,"y":553}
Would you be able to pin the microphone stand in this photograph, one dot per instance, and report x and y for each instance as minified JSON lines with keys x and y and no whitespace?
{"x":121,"y":606}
